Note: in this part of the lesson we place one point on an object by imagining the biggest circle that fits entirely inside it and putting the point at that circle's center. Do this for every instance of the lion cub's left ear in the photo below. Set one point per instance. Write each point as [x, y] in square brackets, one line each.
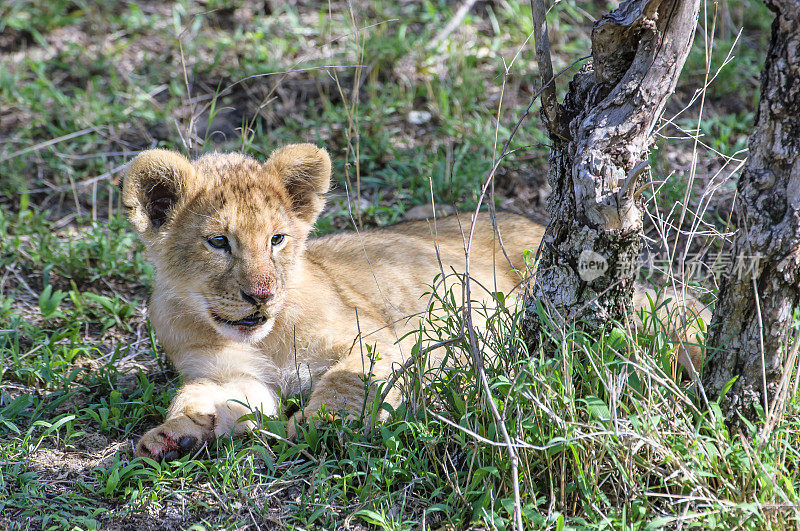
[305, 171]
[155, 184]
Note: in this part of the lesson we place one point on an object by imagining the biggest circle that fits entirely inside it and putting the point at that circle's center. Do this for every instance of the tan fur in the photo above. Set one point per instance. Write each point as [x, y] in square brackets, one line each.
[684, 322]
[311, 290]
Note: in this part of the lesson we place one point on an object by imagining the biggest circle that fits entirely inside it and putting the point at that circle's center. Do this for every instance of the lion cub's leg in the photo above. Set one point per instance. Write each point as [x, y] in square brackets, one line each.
[347, 385]
[204, 410]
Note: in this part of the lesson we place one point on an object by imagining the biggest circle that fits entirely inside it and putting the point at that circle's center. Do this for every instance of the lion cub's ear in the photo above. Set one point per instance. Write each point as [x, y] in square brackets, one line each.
[154, 184]
[305, 171]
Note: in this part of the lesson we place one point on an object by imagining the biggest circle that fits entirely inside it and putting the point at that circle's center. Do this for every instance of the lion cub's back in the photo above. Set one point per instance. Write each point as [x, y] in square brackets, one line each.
[401, 260]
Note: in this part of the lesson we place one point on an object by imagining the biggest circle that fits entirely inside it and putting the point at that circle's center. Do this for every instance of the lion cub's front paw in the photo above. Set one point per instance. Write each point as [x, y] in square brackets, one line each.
[176, 437]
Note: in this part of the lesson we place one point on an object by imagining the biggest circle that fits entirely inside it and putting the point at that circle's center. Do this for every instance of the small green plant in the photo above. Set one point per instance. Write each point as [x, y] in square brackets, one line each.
[49, 301]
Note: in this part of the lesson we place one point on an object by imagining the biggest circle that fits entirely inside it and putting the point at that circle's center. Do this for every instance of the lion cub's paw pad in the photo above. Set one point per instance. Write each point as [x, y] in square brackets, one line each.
[166, 447]
[172, 440]
[184, 446]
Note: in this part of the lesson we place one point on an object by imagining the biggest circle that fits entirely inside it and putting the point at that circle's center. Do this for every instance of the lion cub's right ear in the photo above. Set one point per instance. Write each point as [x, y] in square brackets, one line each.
[153, 186]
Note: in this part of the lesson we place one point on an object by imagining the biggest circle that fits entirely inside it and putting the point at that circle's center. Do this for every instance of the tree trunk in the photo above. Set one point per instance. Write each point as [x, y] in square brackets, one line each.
[753, 315]
[601, 137]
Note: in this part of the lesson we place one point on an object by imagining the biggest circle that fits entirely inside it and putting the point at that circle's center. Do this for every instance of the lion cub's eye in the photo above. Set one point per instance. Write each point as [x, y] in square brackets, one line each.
[219, 242]
[277, 240]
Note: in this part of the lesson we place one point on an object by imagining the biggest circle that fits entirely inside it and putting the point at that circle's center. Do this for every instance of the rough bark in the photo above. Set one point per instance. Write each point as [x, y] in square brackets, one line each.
[753, 315]
[599, 150]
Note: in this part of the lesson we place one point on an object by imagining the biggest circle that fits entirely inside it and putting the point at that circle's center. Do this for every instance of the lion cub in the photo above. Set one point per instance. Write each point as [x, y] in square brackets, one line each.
[249, 310]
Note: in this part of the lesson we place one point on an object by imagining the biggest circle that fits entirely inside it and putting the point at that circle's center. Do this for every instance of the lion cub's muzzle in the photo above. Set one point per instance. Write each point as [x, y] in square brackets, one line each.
[259, 299]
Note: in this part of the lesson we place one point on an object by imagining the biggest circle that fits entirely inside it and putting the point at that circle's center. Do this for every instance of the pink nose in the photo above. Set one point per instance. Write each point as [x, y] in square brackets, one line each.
[259, 294]
[256, 298]
[263, 289]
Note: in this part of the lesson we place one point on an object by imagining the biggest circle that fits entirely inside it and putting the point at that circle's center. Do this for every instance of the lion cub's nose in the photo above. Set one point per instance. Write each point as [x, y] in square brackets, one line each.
[256, 298]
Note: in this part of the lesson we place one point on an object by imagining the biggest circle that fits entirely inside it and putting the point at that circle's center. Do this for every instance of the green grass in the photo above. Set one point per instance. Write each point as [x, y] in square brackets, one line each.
[603, 441]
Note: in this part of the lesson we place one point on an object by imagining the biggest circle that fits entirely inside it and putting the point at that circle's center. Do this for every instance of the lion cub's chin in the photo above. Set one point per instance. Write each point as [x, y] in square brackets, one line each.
[244, 334]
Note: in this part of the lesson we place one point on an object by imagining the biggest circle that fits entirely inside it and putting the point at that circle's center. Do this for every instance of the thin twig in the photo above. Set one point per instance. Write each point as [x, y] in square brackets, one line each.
[545, 62]
[761, 343]
[452, 25]
[43, 145]
[87, 182]
[481, 438]
[476, 357]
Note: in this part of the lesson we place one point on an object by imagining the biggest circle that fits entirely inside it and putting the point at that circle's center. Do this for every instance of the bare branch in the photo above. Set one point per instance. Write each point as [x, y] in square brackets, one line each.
[545, 62]
[452, 25]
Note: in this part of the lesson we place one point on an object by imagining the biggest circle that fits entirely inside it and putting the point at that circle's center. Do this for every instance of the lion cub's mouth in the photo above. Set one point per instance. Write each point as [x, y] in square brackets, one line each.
[256, 319]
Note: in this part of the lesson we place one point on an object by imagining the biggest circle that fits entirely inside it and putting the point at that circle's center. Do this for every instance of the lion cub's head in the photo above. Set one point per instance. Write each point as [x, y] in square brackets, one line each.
[225, 232]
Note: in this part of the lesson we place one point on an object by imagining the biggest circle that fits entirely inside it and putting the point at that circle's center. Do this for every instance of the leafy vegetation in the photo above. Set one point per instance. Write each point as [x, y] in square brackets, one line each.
[607, 434]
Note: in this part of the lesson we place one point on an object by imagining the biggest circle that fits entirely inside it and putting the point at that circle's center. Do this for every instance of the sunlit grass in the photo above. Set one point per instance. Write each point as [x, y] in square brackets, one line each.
[606, 436]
